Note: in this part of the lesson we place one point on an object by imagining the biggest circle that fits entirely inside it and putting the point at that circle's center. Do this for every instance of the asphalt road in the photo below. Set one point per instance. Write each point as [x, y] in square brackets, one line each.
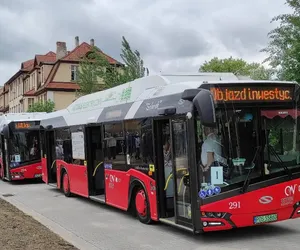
[103, 227]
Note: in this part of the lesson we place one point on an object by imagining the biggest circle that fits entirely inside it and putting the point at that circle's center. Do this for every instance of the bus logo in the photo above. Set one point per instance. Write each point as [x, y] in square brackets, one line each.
[266, 199]
[290, 190]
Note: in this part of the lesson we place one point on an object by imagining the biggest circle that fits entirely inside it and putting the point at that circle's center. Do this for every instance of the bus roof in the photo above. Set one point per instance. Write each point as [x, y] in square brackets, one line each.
[140, 98]
[17, 117]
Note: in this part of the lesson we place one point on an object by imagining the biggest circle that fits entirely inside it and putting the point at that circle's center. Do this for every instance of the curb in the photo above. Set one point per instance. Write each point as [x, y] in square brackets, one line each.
[65, 234]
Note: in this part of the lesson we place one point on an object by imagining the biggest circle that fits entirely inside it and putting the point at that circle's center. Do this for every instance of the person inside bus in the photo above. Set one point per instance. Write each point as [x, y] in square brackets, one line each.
[59, 150]
[112, 144]
[211, 152]
[137, 146]
[34, 148]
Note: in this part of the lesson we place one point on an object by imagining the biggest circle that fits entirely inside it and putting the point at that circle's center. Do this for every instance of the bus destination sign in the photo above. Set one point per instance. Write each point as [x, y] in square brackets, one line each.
[23, 125]
[252, 94]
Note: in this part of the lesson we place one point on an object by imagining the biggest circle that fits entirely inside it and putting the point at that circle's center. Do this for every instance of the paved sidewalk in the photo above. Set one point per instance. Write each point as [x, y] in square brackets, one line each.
[89, 225]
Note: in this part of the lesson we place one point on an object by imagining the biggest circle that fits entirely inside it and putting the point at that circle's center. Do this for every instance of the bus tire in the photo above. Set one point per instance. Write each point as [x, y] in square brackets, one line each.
[66, 185]
[142, 207]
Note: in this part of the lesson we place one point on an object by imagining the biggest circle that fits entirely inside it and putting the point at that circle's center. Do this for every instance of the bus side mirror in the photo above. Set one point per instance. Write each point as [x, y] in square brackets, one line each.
[204, 104]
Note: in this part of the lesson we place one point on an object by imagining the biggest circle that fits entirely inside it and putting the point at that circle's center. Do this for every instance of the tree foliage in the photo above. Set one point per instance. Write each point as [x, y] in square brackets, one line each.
[134, 64]
[47, 106]
[91, 69]
[238, 66]
[96, 73]
[284, 44]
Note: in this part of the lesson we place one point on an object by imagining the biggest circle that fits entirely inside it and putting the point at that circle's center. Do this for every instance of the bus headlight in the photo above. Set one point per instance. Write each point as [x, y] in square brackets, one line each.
[213, 214]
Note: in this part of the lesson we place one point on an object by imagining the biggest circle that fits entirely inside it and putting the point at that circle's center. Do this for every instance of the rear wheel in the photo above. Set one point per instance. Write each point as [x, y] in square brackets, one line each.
[66, 185]
[142, 206]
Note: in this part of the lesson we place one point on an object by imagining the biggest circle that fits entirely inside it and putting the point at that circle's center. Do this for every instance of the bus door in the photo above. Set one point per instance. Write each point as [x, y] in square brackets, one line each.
[7, 162]
[50, 174]
[4, 166]
[95, 163]
[173, 172]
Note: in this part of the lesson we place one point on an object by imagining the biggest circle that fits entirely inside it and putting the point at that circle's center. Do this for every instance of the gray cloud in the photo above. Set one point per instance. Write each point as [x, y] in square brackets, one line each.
[171, 34]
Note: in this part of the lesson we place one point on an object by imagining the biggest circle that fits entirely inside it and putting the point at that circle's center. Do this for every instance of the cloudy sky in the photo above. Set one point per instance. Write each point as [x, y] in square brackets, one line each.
[171, 35]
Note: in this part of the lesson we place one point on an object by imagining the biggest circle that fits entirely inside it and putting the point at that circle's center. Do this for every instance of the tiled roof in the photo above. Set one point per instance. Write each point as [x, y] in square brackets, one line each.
[81, 50]
[28, 65]
[30, 93]
[72, 56]
[50, 57]
[63, 85]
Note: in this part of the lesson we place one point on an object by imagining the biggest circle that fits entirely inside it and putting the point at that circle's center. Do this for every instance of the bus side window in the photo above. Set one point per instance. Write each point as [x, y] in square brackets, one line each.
[63, 145]
[114, 146]
[199, 143]
[138, 138]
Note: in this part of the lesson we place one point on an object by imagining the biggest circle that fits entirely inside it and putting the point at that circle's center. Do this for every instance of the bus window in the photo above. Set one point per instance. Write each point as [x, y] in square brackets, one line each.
[63, 145]
[138, 138]
[180, 155]
[25, 146]
[114, 146]
[282, 143]
[227, 151]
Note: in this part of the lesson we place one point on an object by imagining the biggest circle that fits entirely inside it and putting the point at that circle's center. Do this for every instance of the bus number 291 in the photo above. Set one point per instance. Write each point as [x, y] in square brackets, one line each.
[234, 205]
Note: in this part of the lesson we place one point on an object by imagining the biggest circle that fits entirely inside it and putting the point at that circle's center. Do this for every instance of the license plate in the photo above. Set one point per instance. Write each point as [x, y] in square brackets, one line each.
[38, 175]
[265, 218]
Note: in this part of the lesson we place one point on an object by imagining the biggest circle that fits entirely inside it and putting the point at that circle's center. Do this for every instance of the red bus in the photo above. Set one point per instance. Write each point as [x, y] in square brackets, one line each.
[20, 153]
[202, 156]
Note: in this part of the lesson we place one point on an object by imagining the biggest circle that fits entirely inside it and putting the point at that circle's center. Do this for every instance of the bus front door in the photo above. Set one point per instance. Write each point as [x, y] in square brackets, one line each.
[4, 168]
[50, 175]
[173, 172]
[95, 163]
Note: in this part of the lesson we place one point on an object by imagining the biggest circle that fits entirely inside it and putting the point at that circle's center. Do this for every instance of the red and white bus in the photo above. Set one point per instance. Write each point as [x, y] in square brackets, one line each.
[200, 155]
[20, 153]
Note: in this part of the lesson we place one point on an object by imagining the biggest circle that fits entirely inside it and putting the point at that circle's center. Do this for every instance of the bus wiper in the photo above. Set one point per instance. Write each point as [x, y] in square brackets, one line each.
[250, 168]
[281, 163]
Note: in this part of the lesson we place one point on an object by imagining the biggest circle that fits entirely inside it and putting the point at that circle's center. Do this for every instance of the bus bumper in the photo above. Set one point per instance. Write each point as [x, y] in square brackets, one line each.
[230, 221]
[30, 171]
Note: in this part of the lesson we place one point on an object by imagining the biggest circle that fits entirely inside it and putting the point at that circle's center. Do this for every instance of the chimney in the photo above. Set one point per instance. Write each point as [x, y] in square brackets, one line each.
[76, 41]
[92, 42]
[61, 50]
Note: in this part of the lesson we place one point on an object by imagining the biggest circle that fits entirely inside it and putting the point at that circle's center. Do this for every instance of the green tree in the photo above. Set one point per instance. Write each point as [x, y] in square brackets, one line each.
[91, 69]
[284, 44]
[134, 64]
[47, 106]
[255, 71]
[96, 73]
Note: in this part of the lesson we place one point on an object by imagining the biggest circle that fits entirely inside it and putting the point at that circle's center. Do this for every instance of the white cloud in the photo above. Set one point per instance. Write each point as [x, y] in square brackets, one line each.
[172, 35]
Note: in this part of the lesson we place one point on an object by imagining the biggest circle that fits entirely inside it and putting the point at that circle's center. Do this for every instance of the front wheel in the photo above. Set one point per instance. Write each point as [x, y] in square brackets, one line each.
[142, 206]
[66, 185]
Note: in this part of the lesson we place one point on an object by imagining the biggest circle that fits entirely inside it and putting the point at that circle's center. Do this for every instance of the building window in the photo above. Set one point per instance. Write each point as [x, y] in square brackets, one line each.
[20, 87]
[30, 102]
[42, 74]
[74, 69]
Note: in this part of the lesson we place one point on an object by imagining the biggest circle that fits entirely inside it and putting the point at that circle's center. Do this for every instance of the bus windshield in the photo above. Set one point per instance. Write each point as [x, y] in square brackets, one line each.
[248, 143]
[282, 139]
[25, 147]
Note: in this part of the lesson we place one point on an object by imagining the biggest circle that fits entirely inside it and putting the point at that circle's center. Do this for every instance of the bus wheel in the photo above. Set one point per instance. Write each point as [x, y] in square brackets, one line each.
[66, 185]
[142, 206]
